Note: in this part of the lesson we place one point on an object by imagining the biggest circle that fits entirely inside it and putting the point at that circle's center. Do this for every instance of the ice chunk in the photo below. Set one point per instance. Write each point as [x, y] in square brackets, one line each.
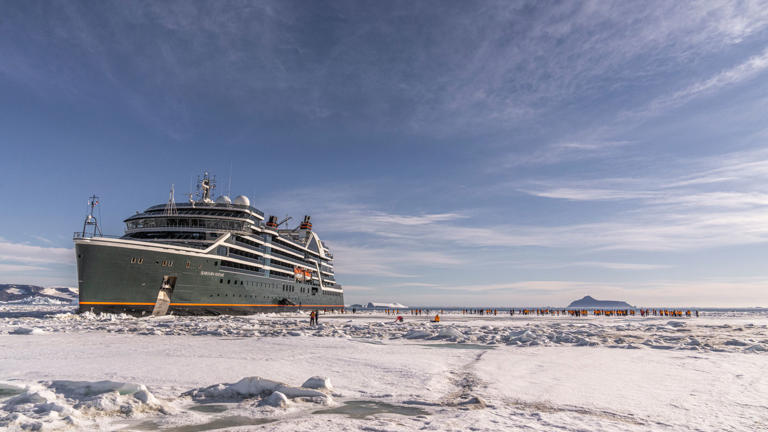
[276, 399]
[318, 383]
[417, 334]
[252, 387]
[26, 331]
[449, 333]
[73, 404]
[79, 389]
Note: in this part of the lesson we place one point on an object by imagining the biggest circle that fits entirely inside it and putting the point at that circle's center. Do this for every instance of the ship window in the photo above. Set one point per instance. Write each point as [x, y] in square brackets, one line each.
[141, 260]
[221, 280]
[228, 281]
[188, 264]
[133, 260]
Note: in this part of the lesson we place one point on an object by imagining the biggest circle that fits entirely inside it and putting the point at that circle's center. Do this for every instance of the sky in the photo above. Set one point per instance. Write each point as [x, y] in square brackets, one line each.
[450, 153]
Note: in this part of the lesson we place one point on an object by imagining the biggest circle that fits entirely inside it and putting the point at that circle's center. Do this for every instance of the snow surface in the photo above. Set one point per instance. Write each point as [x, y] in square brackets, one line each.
[112, 372]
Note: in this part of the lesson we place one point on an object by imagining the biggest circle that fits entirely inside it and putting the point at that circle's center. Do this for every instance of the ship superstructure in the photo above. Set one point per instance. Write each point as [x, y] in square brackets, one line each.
[205, 256]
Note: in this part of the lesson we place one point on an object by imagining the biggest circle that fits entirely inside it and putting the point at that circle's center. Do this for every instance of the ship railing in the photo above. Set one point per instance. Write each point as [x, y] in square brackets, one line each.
[278, 265]
[250, 247]
[293, 261]
[245, 258]
[80, 235]
[281, 277]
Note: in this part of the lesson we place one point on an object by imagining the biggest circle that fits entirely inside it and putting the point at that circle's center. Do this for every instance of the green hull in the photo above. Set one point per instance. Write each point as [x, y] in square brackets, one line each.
[116, 276]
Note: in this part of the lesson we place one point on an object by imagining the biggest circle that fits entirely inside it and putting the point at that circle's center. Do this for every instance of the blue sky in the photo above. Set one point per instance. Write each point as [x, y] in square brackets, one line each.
[465, 153]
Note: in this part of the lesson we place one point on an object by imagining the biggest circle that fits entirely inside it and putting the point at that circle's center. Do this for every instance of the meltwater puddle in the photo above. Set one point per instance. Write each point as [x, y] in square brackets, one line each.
[219, 423]
[363, 409]
[210, 408]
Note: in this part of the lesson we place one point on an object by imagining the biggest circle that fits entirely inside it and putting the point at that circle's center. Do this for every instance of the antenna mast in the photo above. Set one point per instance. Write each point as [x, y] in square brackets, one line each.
[170, 208]
[90, 220]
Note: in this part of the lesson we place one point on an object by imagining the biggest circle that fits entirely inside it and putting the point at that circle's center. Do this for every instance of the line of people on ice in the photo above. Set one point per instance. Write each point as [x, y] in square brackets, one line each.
[479, 311]
[607, 312]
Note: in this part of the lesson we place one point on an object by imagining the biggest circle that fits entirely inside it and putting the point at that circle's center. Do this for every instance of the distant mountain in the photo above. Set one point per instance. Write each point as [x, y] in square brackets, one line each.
[23, 293]
[590, 302]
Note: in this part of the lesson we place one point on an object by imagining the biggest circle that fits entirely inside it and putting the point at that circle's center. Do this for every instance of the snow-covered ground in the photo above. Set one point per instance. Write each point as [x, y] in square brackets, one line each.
[62, 370]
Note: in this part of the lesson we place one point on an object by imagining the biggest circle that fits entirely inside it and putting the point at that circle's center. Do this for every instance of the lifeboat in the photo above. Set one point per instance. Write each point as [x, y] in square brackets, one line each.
[298, 274]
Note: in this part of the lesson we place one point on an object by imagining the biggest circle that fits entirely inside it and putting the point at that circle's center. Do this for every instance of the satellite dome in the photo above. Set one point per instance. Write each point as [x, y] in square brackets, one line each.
[242, 200]
[223, 199]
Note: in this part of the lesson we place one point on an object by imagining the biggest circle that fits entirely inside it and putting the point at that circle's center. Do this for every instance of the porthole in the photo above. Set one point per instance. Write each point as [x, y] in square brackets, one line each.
[133, 260]
[188, 264]
[141, 260]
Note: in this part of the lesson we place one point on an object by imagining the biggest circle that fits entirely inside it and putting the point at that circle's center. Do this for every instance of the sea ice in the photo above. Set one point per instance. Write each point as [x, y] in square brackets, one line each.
[533, 373]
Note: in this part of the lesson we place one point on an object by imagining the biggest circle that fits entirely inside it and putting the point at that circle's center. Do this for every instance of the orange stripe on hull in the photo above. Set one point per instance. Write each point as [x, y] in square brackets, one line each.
[118, 303]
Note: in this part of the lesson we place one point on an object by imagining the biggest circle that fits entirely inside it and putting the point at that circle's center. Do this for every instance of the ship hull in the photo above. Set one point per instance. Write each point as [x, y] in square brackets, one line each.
[125, 277]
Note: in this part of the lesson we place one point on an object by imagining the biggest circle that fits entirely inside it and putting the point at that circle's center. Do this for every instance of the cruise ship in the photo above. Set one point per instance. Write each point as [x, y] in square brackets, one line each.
[204, 257]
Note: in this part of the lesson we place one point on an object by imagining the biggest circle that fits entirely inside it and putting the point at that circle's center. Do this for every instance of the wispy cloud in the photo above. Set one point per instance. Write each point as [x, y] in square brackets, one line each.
[44, 265]
[569, 151]
[28, 254]
[608, 265]
[749, 69]
[474, 66]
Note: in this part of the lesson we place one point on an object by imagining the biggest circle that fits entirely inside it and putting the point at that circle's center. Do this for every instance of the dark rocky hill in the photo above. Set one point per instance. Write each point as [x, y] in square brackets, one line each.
[590, 302]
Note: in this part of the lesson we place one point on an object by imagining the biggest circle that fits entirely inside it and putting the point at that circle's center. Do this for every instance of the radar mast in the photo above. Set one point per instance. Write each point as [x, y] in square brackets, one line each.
[205, 187]
[90, 220]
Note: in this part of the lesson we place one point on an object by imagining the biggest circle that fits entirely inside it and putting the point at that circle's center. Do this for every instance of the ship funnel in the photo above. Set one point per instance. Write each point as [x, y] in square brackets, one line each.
[306, 224]
[272, 222]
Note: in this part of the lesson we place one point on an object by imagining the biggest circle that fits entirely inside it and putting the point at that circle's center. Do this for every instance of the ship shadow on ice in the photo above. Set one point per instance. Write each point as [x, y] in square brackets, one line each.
[363, 409]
